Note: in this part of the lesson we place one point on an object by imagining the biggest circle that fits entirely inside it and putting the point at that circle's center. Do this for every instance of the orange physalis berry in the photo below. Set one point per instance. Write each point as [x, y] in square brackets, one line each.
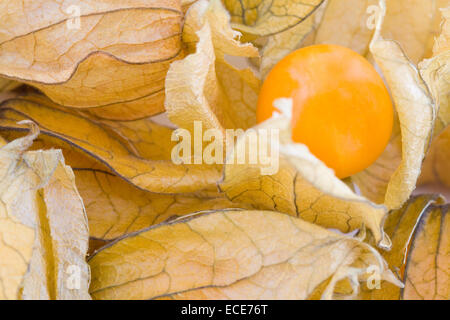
[341, 108]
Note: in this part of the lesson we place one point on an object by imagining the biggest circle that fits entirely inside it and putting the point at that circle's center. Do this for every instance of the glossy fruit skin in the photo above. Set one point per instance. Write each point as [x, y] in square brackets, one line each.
[341, 107]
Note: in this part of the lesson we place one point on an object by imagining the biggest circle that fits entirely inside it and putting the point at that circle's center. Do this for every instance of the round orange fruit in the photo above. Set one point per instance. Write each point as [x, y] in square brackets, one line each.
[341, 107]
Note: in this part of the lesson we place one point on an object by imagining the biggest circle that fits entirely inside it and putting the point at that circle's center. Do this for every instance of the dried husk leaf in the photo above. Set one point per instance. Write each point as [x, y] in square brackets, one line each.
[442, 42]
[116, 208]
[92, 65]
[281, 44]
[8, 85]
[224, 254]
[17, 238]
[413, 24]
[428, 260]
[204, 86]
[373, 181]
[303, 186]
[416, 112]
[224, 38]
[146, 138]
[186, 4]
[104, 146]
[419, 252]
[43, 225]
[345, 23]
[3, 141]
[265, 17]
[436, 168]
[436, 70]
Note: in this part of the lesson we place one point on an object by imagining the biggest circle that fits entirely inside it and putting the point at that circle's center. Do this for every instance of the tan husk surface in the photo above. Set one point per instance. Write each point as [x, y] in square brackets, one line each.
[87, 63]
[95, 175]
[43, 225]
[189, 259]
